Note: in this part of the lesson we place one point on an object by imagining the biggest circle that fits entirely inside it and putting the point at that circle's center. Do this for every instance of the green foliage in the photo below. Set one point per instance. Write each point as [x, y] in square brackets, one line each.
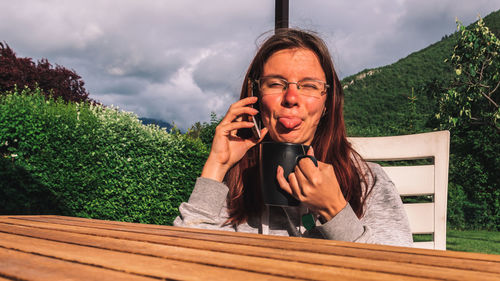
[469, 109]
[378, 102]
[456, 204]
[473, 97]
[21, 193]
[206, 131]
[92, 161]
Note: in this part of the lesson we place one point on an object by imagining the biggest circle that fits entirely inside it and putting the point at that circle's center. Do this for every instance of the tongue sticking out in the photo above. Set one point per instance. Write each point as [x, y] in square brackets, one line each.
[290, 122]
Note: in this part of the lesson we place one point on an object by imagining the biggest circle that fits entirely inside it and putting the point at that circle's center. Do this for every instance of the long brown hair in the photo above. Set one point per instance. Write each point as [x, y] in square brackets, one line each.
[330, 140]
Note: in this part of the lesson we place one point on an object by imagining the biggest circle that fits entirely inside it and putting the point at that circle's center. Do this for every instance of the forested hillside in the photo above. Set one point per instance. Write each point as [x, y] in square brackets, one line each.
[450, 85]
[378, 101]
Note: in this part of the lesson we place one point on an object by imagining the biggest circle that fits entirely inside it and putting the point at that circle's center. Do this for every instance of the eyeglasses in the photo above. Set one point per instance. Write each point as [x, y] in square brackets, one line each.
[306, 87]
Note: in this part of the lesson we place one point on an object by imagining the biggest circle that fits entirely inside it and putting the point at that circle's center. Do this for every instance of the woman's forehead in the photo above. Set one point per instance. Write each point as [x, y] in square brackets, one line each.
[296, 61]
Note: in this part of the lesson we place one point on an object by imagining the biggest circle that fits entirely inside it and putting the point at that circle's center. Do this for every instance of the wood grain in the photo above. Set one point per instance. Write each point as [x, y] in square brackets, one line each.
[125, 262]
[458, 260]
[26, 266]
[238, 259]
[152, 251]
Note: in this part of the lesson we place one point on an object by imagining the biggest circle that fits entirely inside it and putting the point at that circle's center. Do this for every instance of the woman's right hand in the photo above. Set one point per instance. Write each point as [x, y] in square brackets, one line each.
[227, 147]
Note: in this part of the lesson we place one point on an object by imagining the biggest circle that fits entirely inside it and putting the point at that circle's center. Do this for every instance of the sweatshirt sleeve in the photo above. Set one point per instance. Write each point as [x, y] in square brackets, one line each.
[384, 220]
[206, 207]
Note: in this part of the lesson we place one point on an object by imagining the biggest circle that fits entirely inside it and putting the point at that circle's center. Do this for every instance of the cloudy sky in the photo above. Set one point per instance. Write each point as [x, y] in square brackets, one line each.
[180, 60]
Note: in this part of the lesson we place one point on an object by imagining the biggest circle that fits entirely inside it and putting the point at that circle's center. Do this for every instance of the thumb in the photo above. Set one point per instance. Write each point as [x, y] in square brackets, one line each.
[310, 152]
[253, 141]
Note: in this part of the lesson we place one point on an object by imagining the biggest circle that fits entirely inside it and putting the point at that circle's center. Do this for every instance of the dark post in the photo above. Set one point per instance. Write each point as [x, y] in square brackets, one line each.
[281, 15]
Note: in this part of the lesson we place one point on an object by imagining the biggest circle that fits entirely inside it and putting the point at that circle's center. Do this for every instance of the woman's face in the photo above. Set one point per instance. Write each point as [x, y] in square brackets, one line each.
[291, 117]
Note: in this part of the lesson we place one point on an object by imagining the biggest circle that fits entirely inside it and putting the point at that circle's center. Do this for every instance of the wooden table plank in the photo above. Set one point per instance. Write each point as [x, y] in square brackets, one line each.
[137, 226]
[24, 266]
[136, 264]
[263, 265]
[328, 248]
[250, 262]
[155, 251]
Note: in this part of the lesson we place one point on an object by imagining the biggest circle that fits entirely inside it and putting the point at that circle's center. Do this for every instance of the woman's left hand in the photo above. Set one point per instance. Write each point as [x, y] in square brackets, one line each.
[316, 187]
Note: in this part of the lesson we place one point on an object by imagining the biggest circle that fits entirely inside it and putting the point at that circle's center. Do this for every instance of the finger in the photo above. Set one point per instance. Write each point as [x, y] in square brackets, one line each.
[280, 176]
[235, 113]
[243, 103]
[263, 133]
[302, 179]
[310, 152]
[247, 101]
[307, 167]
[228, 129]
[294, 185]
[253, 141]
[234, 132]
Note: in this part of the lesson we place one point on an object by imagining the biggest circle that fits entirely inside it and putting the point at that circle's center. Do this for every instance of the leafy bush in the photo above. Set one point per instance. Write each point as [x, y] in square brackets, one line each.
[92, 161]
[474, 163]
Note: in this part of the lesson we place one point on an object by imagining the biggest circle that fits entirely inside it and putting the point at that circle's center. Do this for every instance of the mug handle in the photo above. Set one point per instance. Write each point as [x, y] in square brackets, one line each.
[300, 157]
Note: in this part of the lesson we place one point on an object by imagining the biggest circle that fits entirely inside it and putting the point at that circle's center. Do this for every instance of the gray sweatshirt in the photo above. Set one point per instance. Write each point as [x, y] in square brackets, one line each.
[384, 220]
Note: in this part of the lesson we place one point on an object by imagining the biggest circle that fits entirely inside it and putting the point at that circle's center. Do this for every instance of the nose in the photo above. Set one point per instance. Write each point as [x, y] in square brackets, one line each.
[291, 96]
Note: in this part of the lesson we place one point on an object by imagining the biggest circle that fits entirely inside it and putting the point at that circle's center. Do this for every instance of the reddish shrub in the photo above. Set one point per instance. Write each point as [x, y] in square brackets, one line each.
[55, 81]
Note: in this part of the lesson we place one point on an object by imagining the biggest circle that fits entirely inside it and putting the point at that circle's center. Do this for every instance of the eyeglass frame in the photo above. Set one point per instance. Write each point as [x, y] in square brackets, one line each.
[287, 83]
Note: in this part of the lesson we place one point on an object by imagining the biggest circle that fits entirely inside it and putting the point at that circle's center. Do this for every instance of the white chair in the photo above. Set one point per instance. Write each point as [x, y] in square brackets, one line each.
[425, 218]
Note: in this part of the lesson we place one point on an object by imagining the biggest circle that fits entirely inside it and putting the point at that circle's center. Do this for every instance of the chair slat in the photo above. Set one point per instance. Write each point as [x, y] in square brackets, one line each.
[421, 217]
[424, 245]
[406, 147]
[412, 180]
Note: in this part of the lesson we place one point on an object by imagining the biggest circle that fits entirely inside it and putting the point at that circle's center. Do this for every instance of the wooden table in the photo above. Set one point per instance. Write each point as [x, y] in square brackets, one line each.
[67, 248]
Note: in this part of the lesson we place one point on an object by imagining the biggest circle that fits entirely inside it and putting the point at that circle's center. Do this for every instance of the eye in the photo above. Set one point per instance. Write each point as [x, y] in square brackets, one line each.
[274, 83]
[311, 85]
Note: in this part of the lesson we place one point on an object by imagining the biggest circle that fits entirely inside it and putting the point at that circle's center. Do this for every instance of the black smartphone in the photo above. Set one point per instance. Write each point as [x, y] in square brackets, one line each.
[247, 133]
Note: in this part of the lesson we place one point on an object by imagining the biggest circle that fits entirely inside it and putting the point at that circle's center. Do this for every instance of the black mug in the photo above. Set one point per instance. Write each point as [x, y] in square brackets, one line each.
[287, 155]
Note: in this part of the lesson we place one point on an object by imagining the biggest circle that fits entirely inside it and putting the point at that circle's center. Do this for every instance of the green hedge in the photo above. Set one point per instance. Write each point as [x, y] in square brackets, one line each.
[84, 160]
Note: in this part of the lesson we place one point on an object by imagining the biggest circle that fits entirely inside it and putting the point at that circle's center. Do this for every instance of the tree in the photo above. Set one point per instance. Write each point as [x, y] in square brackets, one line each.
[473, 97]
[469, 109]
[54, 81]
[206, 131]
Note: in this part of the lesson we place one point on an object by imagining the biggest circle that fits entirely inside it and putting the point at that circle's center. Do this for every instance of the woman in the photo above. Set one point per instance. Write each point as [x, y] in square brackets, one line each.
[300, 100]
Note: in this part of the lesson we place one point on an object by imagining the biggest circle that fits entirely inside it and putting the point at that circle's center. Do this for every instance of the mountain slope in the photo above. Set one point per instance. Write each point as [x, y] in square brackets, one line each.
[377, 100]
[162, 124]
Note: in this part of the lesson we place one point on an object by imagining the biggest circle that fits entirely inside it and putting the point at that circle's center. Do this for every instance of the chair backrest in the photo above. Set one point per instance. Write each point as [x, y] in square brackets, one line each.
[417, 180]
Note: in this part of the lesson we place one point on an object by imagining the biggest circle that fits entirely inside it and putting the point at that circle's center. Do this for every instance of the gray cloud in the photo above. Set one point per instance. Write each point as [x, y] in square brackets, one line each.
[180, 60]
[367, 34]
[224, 67]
